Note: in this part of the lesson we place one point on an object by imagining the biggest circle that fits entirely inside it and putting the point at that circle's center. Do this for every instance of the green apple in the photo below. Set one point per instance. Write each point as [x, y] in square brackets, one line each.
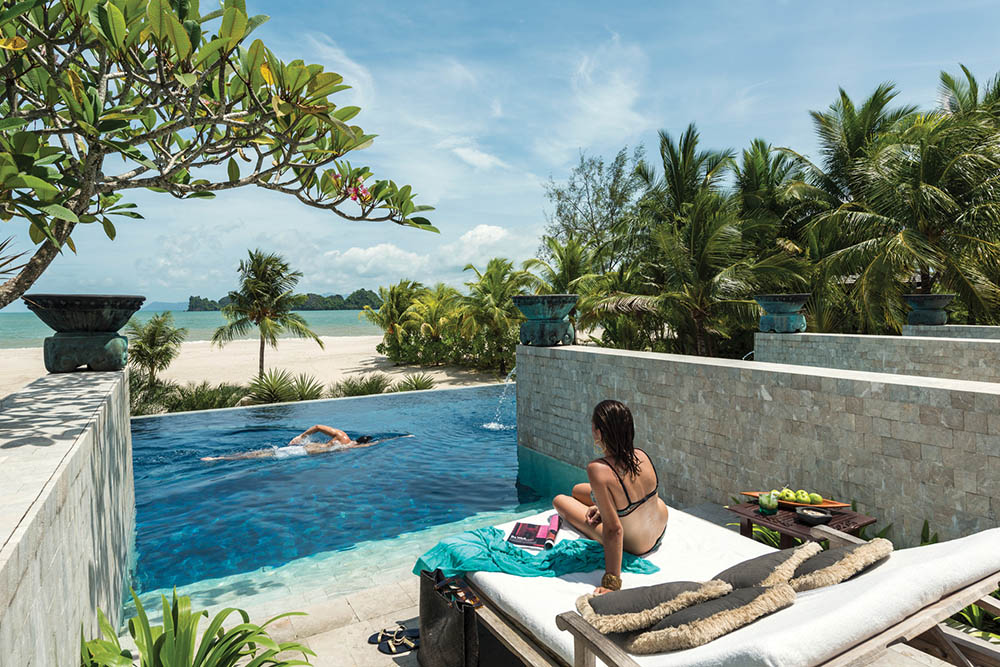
[815, 499]
[802, 497]
[787, 494]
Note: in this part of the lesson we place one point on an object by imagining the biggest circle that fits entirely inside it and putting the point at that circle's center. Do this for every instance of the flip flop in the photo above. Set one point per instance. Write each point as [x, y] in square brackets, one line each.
[399, 645]
[393, 633]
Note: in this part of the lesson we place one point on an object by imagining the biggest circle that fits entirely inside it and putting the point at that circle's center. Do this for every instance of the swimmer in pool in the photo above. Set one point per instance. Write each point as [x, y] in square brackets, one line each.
[298, 446]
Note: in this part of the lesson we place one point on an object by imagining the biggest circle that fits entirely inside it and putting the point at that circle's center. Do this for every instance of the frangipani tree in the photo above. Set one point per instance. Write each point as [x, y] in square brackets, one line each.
[99, 97]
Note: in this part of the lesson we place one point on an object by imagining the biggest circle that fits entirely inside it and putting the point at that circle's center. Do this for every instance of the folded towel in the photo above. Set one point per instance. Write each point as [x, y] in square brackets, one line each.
[487, 550]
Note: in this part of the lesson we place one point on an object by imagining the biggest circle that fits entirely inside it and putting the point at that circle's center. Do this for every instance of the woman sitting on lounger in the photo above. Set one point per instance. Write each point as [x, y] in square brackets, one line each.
[299, 446]
[619, 507]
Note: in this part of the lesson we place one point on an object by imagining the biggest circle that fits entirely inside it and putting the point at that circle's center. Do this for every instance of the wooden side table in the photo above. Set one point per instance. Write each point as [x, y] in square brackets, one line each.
[786, 524]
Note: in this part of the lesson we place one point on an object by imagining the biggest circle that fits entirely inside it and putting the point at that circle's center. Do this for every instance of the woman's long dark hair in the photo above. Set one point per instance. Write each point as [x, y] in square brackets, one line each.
[614, 420]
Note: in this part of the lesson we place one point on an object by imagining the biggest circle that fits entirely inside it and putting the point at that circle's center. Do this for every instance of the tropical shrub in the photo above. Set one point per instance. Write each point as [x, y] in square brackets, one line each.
[205, 396]
[149, 398]
[273, 386]
[154, 344]
[361, 385]
[415, 382]
[189, 97]
[175, 642]
[306, 388]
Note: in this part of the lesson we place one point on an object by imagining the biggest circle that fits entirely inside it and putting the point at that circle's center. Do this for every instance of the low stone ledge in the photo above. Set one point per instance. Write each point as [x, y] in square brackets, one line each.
[67, 513]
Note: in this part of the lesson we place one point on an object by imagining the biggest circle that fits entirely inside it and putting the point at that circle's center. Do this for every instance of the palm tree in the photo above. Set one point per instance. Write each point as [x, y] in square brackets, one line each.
[926, 208]
[569, 262]
[687, 172]
[965, 97]
[433, 313]
[390, 316]
[489, 308]
[152, 346]
[702, 274]
[264, 300]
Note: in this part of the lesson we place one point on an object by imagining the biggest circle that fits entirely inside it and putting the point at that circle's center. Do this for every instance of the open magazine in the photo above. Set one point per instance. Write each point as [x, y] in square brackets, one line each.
[536, 536]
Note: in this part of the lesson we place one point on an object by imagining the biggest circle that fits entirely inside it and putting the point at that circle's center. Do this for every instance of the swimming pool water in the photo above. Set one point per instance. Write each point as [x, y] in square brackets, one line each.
[197, 521]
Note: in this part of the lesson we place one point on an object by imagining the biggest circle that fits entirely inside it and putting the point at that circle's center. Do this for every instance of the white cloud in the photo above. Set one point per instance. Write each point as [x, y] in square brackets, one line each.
[477, 158]
[377, 260]
[496, 108]
[601, 108]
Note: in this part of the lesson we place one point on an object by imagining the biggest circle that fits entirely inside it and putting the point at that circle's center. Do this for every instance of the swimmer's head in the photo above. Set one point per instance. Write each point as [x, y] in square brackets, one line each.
[364, 439]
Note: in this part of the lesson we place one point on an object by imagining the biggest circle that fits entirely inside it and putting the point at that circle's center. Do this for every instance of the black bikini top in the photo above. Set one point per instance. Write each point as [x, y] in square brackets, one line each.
[633, 505]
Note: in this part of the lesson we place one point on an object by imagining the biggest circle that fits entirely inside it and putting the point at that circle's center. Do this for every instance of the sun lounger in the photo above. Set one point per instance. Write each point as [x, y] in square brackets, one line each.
[851, 623]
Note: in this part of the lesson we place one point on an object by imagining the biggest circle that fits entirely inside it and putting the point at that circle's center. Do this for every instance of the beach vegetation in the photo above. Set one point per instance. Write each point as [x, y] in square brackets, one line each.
[205, 396]
[414, 382]
[178, 643]
[100, 98]
[488, 315]
[154, 344]
[305, 387]
[272, 386]
[265, 300]
[360, 385]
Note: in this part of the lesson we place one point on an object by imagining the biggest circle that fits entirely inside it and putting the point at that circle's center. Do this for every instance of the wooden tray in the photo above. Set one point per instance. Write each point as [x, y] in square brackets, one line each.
[826, 504]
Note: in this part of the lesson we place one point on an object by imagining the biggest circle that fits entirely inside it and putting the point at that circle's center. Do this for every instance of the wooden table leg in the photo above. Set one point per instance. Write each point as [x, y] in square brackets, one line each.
[746, 528]
[786, 541]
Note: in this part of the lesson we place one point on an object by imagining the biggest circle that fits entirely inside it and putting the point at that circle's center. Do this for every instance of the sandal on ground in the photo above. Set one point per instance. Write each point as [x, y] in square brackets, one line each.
[401, 644]
[393, 633]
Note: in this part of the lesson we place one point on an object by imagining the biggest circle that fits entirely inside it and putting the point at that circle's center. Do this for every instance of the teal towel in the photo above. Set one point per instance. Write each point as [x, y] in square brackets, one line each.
[487, 550]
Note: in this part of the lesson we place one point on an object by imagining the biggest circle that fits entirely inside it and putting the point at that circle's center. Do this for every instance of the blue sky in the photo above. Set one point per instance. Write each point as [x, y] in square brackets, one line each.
[477, 105]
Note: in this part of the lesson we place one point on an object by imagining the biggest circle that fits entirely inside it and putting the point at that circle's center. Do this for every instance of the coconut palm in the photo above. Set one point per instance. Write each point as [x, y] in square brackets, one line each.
[926, 208]
[154, 344]
[568, 262]
[265, 300]
[390, 316]
[489, 308]
[963, 96]
[702, 274]
[433, 313]
[687, 172]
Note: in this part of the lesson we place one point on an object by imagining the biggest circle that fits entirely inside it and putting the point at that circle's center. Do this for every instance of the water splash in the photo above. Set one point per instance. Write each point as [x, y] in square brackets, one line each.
[497, 423]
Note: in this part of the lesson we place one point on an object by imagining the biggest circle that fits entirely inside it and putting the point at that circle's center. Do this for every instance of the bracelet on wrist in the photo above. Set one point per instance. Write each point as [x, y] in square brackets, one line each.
[612, 582]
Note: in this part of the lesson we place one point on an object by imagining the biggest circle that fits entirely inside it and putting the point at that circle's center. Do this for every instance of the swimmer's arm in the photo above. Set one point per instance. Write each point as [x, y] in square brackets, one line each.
[256, 454]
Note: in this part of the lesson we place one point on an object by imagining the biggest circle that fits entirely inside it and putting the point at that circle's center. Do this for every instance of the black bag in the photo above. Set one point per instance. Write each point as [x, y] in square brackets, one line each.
[448, 630]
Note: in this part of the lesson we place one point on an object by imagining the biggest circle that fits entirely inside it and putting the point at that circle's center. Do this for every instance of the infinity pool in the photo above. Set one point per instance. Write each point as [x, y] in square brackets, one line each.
[225, 520]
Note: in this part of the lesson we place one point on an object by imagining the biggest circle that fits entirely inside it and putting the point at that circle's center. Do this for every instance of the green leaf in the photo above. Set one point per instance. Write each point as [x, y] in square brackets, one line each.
[346, 113]
[201, 195]
[234, 170]
[61, 212]
[12, 123]
[35, 234]
[187, 80]
[156, 14]
[42, 188]
[109, 228]
[209, 49]
[177, 35]
[17, 10]
[113, 22]
[234, 26]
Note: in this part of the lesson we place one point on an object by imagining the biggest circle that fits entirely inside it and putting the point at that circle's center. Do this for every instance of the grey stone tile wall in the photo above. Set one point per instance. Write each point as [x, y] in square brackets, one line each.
[958, 358]
[952, 331]
[906, 448]
[67, 514]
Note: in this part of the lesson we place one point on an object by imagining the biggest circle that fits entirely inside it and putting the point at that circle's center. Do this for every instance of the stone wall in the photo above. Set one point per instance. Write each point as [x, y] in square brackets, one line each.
[961, 359]
[906, 448]
[952, 331]
[67, 514]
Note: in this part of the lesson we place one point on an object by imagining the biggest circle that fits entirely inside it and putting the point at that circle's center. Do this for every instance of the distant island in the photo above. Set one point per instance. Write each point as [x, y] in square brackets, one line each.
[357, 300]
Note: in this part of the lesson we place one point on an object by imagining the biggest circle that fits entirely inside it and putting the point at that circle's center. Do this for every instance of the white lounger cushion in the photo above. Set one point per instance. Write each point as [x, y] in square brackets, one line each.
[821, 624]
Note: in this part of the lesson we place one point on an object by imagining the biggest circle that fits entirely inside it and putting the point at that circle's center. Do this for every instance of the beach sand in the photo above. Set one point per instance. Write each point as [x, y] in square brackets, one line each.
[237, 363]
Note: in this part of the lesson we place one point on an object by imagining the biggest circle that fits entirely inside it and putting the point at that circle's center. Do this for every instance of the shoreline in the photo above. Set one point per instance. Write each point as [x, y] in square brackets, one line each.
[236, 363]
